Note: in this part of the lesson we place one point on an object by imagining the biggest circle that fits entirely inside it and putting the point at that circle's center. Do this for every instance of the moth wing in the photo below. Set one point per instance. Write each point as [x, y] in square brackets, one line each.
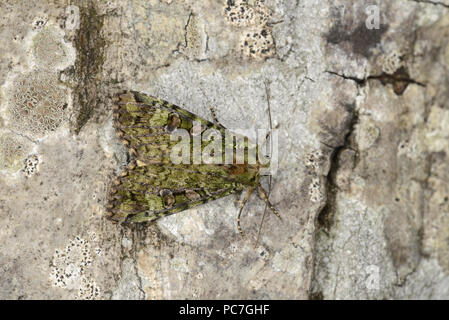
[150, 192]
[144, 124]
[154, 187]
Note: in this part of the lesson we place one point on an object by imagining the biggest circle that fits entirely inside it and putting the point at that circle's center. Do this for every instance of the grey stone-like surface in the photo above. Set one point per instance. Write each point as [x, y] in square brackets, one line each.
[363, 166]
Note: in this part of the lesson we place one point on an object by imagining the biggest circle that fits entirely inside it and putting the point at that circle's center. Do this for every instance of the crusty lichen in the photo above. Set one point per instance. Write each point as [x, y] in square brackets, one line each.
[252, 17]
[30, 165]
[242, 13]
[258, 43]
[37, 103]
[69, 269]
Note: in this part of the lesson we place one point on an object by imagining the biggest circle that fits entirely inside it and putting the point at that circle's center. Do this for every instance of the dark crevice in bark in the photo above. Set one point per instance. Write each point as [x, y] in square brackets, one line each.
[326, 216]
[356, 80]
[400, 79]
[88, 66]
[435, 3]
[316, 296]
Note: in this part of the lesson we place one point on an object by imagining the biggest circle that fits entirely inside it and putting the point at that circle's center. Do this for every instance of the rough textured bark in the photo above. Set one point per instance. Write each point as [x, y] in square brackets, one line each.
[363, 120]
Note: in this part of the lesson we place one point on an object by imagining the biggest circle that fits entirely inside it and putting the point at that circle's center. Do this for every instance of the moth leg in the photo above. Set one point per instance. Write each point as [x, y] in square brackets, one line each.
[263, 195]
[264, 212]
[242, 204]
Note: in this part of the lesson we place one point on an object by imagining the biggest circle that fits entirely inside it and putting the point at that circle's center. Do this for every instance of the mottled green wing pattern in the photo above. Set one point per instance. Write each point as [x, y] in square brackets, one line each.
[144, 125]
[152, 191]
[152, 186]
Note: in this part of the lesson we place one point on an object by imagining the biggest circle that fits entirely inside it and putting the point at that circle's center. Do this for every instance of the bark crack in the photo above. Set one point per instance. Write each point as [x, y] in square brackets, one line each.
[326, 215]
[400, 79]
[90, 45]
[435, 3]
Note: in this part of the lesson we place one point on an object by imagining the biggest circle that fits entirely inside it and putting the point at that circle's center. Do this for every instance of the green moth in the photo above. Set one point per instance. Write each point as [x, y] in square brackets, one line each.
[156, 183]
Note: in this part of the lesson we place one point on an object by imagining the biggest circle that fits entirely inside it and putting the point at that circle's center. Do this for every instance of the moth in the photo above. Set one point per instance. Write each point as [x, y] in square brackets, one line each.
[153, 186]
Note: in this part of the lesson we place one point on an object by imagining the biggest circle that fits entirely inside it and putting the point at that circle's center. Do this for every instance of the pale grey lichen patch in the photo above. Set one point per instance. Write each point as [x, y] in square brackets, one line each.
[69, 269]
[437, 135]
[37, 103]
[182, 226]
[13, 150]
[288, 260]
[50, 51]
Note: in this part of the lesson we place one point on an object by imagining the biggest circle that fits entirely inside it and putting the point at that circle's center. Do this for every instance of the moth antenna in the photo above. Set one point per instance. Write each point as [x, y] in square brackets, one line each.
[212, 110]
[242, 204]
[260, 189]
[214, 116]
[267, 93]
[270, 120]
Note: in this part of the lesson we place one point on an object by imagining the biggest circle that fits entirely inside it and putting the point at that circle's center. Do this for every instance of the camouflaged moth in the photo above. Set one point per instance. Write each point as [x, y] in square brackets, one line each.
[153, 185]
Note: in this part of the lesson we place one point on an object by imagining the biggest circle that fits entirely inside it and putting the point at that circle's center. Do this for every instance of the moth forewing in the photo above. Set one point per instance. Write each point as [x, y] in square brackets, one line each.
[165, 175]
